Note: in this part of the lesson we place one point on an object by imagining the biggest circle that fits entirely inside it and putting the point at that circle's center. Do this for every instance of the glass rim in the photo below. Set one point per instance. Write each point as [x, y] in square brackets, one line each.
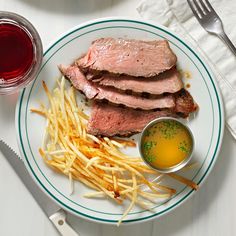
[17, 83]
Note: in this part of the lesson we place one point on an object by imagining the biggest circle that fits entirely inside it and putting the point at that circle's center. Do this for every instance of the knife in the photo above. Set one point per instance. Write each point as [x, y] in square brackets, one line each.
[51, 209]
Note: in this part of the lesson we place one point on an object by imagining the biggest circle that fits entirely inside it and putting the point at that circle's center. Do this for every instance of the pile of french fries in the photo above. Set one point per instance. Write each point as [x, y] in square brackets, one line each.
[96, 162]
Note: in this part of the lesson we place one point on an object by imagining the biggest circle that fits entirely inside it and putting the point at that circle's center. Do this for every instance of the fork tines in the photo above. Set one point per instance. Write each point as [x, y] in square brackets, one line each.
[201, 7]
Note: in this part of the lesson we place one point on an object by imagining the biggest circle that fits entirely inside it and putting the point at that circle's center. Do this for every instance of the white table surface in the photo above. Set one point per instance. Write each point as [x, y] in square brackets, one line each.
[210, 212]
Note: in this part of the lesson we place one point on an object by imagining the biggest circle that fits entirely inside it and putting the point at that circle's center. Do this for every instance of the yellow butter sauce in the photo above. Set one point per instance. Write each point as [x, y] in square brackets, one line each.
[166, 144]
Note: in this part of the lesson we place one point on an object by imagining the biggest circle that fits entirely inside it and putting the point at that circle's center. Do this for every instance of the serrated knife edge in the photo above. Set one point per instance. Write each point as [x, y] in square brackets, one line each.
[51, 209]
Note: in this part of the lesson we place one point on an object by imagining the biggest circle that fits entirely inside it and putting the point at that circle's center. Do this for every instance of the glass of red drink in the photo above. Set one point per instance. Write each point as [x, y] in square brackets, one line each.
[21, 52]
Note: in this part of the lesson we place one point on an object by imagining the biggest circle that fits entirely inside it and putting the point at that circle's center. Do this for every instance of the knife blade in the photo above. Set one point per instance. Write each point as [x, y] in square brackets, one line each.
[50, 208]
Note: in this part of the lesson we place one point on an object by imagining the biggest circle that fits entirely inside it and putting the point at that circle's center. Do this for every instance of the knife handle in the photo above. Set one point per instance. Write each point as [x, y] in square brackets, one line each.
[59, 221]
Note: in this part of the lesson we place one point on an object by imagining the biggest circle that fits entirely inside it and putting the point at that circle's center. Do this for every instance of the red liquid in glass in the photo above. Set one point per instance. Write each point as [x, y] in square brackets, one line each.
[16, 52]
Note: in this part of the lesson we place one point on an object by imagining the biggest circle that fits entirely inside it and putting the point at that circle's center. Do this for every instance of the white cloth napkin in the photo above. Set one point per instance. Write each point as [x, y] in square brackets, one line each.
[177, 15]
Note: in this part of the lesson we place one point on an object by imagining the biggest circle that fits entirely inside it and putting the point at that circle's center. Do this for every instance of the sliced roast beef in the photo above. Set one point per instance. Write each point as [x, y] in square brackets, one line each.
[131, 57]
[79, 81]
[109, 120]
[184, 103]
[95, 91]
[166, 82]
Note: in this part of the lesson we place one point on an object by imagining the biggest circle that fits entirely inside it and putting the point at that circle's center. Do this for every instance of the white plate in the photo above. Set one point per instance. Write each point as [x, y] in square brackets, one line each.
[207, 125]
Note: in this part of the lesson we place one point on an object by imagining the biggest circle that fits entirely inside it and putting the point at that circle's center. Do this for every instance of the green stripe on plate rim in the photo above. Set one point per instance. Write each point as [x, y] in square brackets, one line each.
[218, 139]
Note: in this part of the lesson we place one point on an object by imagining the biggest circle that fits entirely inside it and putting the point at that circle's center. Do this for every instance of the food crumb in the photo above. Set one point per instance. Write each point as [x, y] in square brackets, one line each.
[187, 85]
[187, 74]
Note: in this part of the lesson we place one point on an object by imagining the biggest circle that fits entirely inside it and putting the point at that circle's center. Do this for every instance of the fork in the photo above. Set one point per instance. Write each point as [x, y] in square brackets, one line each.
[210, 21]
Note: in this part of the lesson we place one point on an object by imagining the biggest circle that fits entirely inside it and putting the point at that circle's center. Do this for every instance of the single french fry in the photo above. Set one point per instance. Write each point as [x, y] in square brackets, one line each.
[128, 143]
[40, 112]
[94, 194]
[184, 180]
[134, 196]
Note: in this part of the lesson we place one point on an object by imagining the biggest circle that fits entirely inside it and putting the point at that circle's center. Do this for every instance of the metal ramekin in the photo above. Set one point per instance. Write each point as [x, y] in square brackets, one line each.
[173, 168]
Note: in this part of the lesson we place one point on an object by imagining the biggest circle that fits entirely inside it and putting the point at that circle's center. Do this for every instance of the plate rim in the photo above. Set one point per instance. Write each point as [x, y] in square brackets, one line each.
[217, 94]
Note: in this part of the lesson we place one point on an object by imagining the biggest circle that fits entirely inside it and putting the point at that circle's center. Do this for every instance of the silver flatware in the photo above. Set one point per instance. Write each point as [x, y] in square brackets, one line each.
[210, 21]
[51, 209]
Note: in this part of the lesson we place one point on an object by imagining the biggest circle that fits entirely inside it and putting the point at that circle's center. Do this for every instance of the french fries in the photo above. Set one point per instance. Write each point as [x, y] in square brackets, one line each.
[96, 162]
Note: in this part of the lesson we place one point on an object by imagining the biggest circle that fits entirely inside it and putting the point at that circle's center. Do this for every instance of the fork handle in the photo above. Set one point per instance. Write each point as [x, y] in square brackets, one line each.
[227, 41]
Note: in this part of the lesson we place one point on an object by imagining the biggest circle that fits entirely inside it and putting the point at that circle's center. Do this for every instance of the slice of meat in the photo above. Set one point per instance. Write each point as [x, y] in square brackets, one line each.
[95, 91]
[166, 82]
[127, 56]
[135, 101]
[109, 120]
[79, 81]
[184, 103]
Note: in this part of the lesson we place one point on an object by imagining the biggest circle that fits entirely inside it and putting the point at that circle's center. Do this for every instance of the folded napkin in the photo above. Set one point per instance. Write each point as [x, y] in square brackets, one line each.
[177, 15]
